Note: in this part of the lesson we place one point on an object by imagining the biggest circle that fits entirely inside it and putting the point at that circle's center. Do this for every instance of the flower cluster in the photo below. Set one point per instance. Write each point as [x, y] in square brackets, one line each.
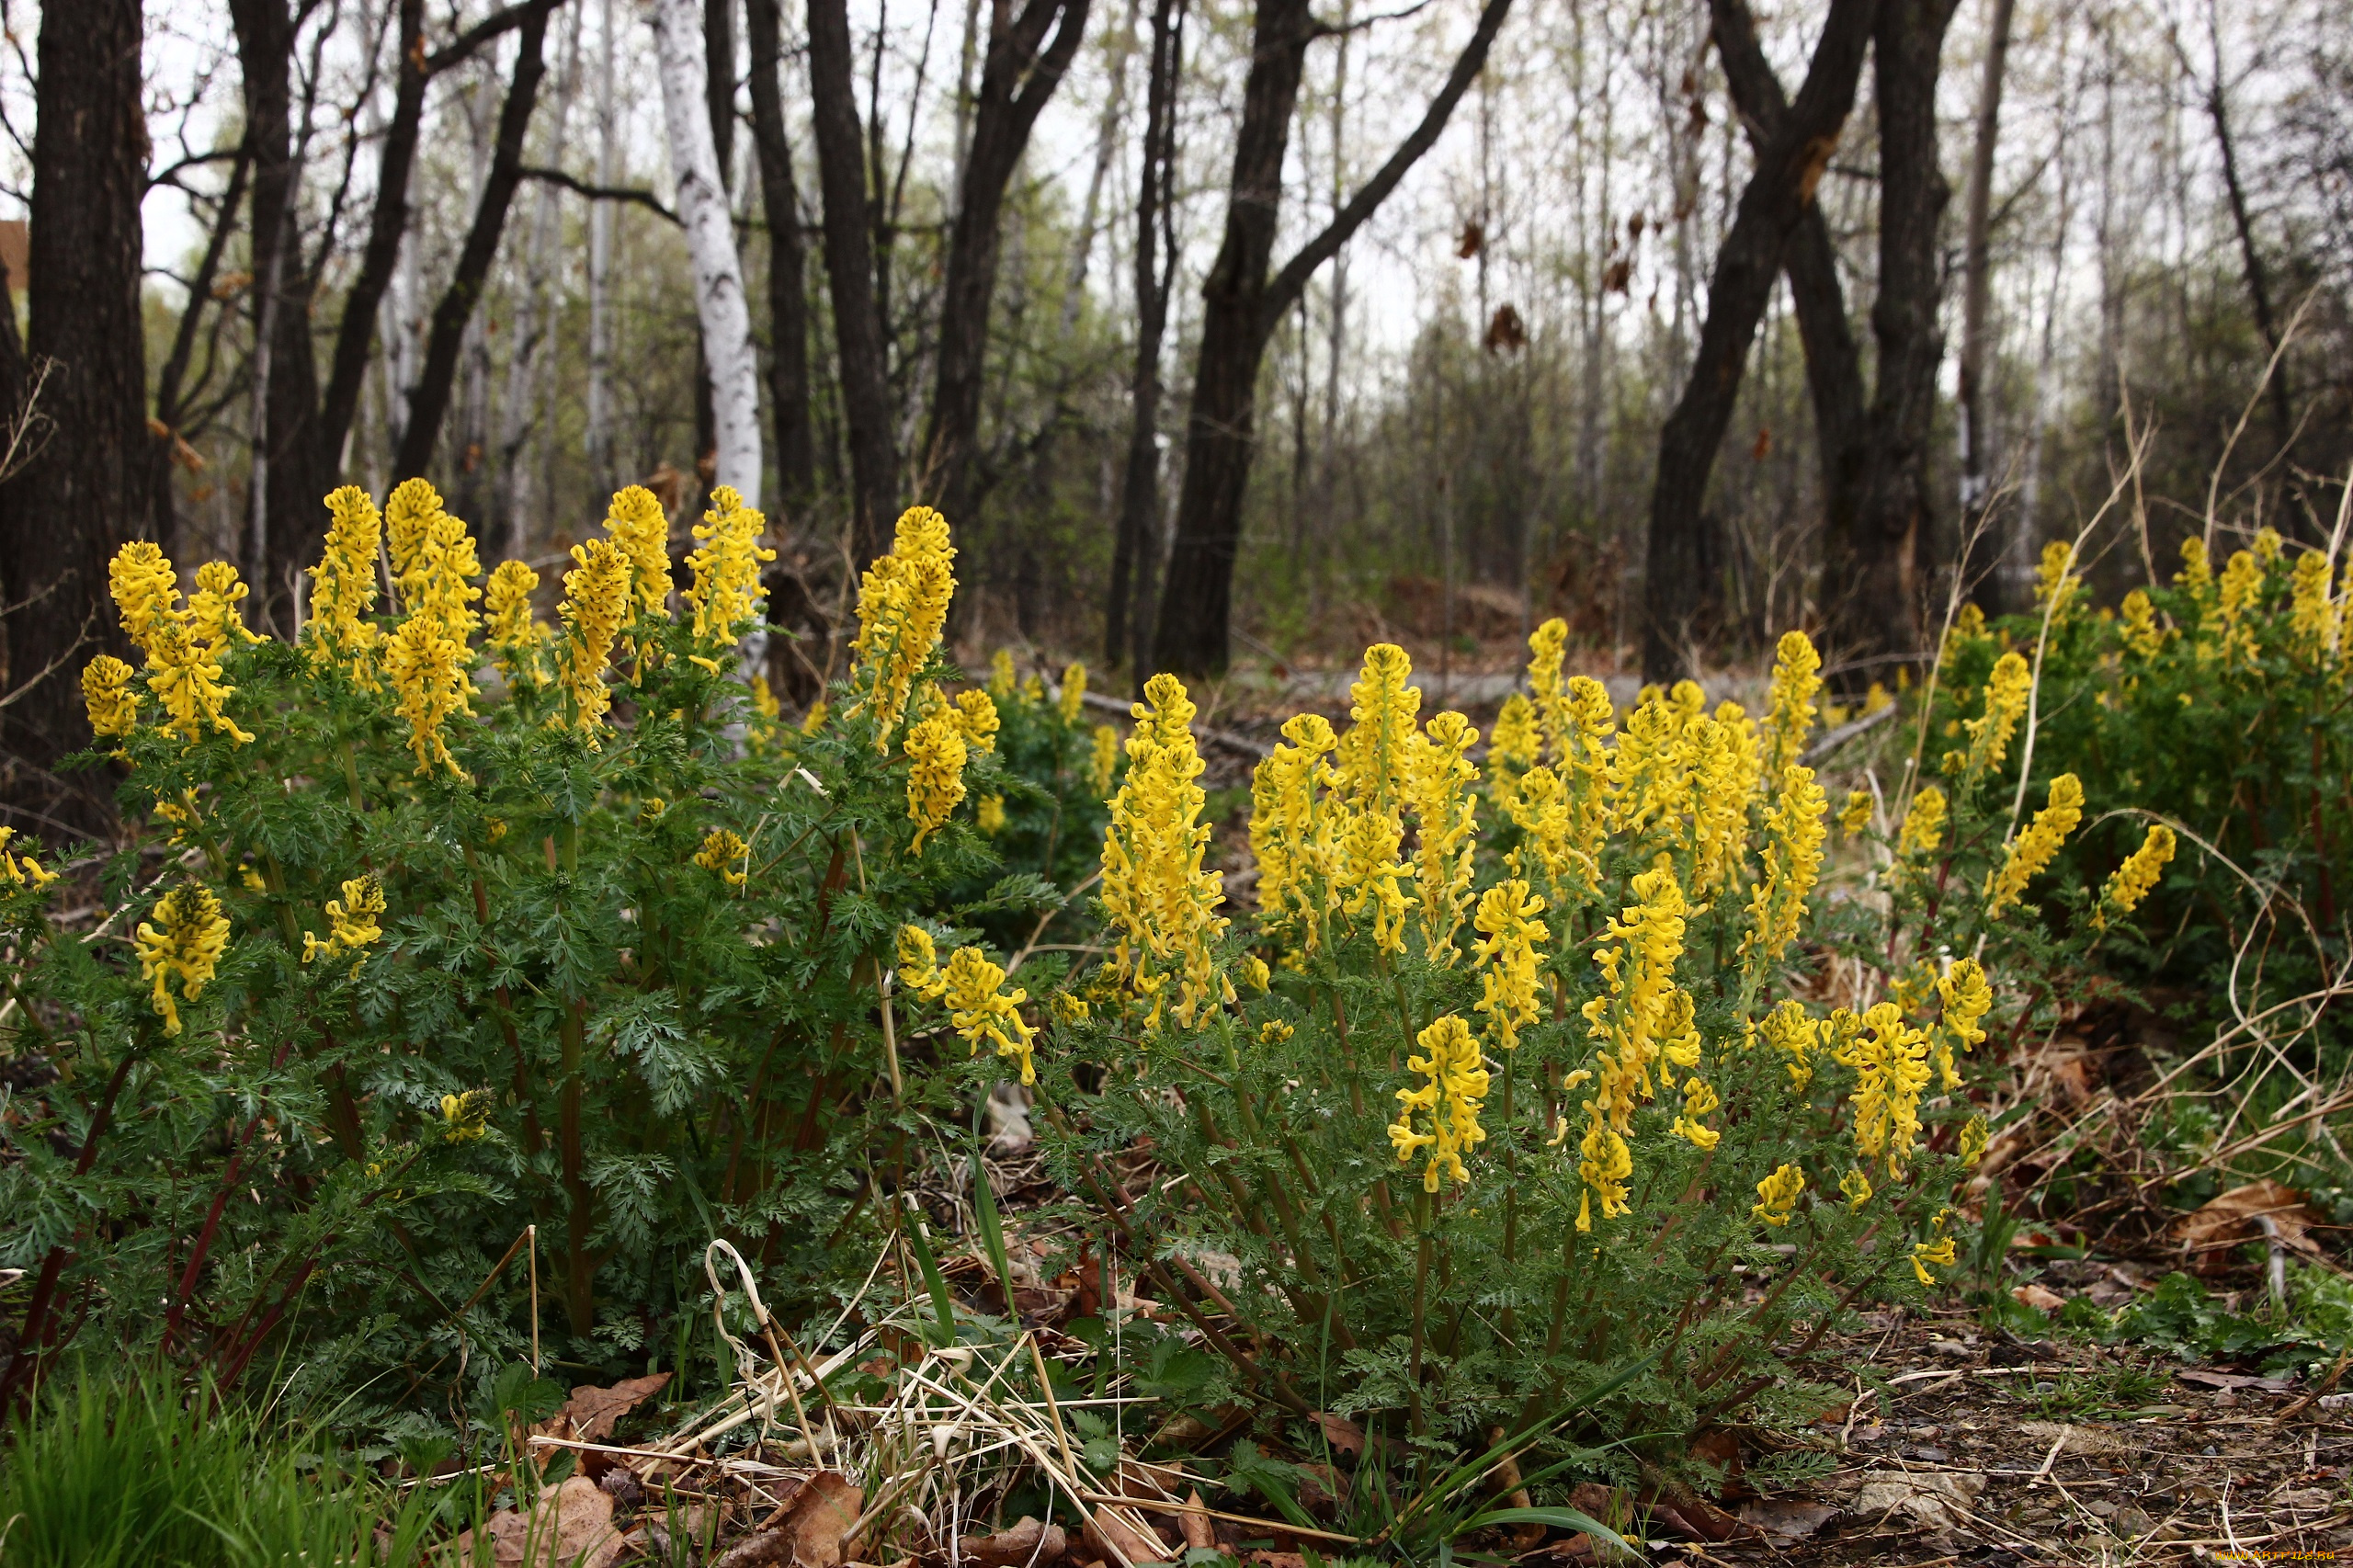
[595, 601]
[937, 751]
[726, 591]
[20, 870]
[724, 852]
[2132, 881]
[2033, 849]
[517, 639]
[1510, 934]
[979, 1007]
[1454, 1083]
[185, 939]
[1161, 902]
[351, 920]
[902, 608]
[339, 633]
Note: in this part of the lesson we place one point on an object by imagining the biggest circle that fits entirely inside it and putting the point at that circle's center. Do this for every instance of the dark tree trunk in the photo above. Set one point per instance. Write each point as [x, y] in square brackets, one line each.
[87, 490]
[1023, 67]
[2259, 279]
[1980, 546]
[796, 461]
[429, 399]
[1779, 193]
[357, 332]
[1127, 625]
[1881, 531]
[170, 402]
[1240, 306]
[849, 270]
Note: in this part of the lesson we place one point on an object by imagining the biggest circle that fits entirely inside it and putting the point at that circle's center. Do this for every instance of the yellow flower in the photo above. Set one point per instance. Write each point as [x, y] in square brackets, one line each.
[2197, 572]
[1794, 829]
[1699, 1100]
[219, 624]
[1638, 1013]
[1295, 825]
[595, 600]
[901, 605]
[990, 815]
[650, 811]
[427, 668]
[1989, 733]
[1439, 787]
[726, 590]
[1512, 748]
[1891, 1062]
[351, 920]
[975, 715]
[517, 639]
[2133, 881]
[2054, 584]
[107, 693]
[2033, 849]
[342, 589]
[725, 853]
[1857, 814]
[434, 563]
[1650, 775]
[1455, 1080]
[1068, 1008]
[1777, 1194]
[19, 868]
[2312, 620]
[145, 590]
[1972, 1141]
[2241, 587]
[1605, 1164]
[981, 1013]
[1546, 646]
[814, 719]
[1857, 1187]
[2142, 633]
[1939, 1252]
[642, 530]
[1072, 701]
[1924, 824]
[409, 512]
[1790, 717]
[918, 960]
[1105, 761]
[1383, 705]
[1793, 1035]
[466, 1117]
[1003, 681]
[186, 938]
[1510, 935]
[1161, 902]
[936, 756]
[1033, 691]
[1967, 999]
[188, 682]
[1274, 1031]
[1875, 699]
[1254, 972]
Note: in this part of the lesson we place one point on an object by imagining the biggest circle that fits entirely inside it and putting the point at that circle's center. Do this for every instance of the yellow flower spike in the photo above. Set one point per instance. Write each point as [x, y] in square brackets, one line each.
[218, 622]
[1794, 829]
[409, 513]
[1789, 715]
[516, 638]
[2033, 849]
[814, 719]
[1891, 1062]
[1161, 902]
[1989, 733]
[2133, 880]
[901, 606]
[918, 960]
[595, 600]
[107, 693]
[2054, 580]
[1274, 1031]
[1720, 763]
[145, 591]
[2141, 631]
[1793, 1037]
[1072, 702]
[1699, 1100]
[1650, 777]
[1629, 1021]
[1254, 972]
[1924, 824]
[1455, 1080]
[1545, 817]
[1939, 1252]
[2242, 588]
[434, 563]
[2197, 574]
[1293, 829]
[935, 755]
[338, 633]
[989, 816]
[1068, 1008]
[1604, 1166]
[2268, 546]
[352, 922]
[185, 939]
[1439, 787]
[1778, 1195]
[466, 1117]
[1517, 744]
[975, 714]
[188, 682]
[1856, 1186]
[1510, 934]
[19, 868]
[1967, 999]
[983, 1015]
[724, 852]
[1857, 814]
[2312, 618]
[1372, 758]
[726, 590]
[1004, 682]
[427, 668]
[1972, 1141]
[642, 530]
[652, 811]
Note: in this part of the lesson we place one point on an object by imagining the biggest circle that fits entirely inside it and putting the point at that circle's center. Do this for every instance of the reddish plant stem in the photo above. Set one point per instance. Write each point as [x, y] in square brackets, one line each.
[14, 1383]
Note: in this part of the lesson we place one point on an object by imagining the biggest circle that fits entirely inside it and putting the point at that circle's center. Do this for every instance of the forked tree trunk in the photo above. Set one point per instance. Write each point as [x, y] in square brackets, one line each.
[1777, 197]
[1240, 307]
[710, 243]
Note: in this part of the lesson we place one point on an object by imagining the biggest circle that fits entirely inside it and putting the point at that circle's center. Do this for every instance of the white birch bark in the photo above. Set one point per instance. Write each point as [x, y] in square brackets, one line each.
[711, 241]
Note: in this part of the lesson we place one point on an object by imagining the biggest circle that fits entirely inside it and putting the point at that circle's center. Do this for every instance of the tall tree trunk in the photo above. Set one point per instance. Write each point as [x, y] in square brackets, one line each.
[1126, 624]
[85, 491]
[1240, 309]
[720, 303]
[171, 380]
[1980, 550]
[603, 474]
[1023, 67]
[1883, 529]
[1775, 198]
[796, 460]
[429, 400]
[849, 271]
[1107, 138]
[532, 333]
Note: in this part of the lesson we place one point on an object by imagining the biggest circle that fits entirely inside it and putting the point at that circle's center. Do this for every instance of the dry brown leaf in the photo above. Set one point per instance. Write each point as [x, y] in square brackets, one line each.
[591, 1414]
[821, 1514]
[573, 1524]
[1787, 1520]
[1934, 1500]
[1194, 1524]
[2039, 1299]
[765, 1548]
[1026, 1541]
[1345, 1436]
[1105, 1530]
[2230, 1220]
